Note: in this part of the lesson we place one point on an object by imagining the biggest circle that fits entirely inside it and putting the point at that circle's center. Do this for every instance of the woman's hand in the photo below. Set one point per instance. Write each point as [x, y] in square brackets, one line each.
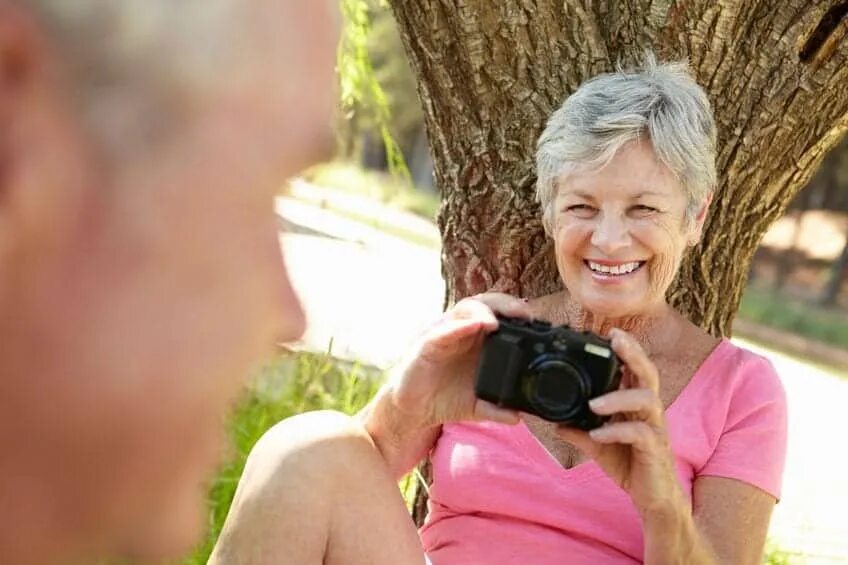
[436, 383]
[633, 448]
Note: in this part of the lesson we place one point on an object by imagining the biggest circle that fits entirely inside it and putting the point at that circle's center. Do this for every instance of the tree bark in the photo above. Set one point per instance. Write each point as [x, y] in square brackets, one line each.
[490, 73]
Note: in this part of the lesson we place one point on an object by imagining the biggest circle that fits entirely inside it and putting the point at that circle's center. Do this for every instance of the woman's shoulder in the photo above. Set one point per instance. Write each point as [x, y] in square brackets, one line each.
[719, 357]
[723, 372]
[731, 421]
[744, 362]
[747, 426]
[740, 377]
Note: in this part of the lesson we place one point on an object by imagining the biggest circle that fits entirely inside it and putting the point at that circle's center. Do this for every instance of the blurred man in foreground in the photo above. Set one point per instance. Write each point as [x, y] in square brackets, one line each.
[141, 143]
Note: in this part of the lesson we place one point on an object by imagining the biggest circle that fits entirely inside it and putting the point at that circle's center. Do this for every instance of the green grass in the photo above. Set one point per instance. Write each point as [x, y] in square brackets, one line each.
[289, 385]
[775, 556]
[765, 307]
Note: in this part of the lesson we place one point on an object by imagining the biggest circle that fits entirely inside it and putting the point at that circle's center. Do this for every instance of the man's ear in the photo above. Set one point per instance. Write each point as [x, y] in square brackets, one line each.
[18, 59]
[699, 219]
[23, 80]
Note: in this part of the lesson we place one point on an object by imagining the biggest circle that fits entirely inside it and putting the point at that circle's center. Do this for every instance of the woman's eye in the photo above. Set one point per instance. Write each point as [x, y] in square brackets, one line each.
[581, 209]
[643, 210]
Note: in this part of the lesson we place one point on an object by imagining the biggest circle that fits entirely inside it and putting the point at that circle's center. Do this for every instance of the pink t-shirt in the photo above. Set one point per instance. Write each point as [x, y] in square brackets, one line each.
[498, 496]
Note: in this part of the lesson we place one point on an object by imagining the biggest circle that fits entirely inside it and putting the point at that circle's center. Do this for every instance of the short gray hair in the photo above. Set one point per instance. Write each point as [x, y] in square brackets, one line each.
[660, 101]
[132, 65]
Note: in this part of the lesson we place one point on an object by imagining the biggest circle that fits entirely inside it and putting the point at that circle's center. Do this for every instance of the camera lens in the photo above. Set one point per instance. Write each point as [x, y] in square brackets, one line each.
[555, 388]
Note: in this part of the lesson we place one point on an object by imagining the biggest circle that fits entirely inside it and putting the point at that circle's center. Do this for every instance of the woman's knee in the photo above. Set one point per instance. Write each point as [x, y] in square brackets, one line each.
[311, 447]
[287, 493]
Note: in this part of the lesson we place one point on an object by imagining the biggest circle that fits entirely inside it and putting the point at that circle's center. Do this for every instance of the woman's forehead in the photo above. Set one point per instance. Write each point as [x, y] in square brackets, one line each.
[634, 172]
[632, 191]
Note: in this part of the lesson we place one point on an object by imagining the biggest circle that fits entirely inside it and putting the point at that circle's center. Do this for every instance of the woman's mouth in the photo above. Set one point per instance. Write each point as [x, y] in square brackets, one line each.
[605, 271]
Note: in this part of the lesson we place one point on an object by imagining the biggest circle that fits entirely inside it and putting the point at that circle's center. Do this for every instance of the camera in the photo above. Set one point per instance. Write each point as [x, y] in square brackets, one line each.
[549, 371]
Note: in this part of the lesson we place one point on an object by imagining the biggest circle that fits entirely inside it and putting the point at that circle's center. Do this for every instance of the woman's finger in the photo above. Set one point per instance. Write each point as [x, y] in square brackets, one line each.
[473, 309]
[503, 304]
[640, 366]
[451, 337]
[640, 435]
[640, 402]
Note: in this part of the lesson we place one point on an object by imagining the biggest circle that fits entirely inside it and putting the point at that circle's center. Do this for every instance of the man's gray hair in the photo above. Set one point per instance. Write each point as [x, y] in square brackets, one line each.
[131, 65]
[661, 102]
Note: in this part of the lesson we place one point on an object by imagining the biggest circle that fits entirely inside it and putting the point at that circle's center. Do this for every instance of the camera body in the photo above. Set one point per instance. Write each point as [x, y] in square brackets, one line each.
[549, 371]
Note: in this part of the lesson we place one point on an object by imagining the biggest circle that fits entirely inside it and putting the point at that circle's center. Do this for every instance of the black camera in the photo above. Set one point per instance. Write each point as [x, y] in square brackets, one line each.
[551, 372]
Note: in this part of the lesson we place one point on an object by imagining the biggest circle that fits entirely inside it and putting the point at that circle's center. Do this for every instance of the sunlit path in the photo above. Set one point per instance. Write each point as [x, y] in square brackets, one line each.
[812, 515]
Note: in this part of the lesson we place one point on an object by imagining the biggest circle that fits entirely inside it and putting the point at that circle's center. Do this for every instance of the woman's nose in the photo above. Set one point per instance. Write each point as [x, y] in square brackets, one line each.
[611, 234]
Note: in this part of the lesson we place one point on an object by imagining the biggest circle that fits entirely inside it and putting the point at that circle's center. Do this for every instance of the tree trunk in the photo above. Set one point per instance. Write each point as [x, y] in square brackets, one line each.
[490, 73]
[837, 275]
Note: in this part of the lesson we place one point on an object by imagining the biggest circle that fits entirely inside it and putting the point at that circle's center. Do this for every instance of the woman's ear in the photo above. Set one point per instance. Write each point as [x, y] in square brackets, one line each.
[697, 226]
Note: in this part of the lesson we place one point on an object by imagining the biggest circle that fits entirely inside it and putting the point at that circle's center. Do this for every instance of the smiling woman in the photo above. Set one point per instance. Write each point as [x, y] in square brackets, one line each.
[688, 466]
[620, 232]
[626, 171]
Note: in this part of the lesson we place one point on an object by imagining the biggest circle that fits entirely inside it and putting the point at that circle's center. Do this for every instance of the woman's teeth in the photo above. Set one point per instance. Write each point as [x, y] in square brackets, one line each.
[622, 269]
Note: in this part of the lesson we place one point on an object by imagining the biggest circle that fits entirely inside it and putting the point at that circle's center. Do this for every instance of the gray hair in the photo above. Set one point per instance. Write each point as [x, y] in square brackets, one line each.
[660, 101]
[131, 66]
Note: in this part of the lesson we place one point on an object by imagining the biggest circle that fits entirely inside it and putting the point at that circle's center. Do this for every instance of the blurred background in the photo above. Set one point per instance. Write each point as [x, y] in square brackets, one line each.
[363, 250]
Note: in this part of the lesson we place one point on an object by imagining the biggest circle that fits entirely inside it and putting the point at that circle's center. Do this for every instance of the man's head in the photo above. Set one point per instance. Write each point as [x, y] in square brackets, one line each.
[141, 279]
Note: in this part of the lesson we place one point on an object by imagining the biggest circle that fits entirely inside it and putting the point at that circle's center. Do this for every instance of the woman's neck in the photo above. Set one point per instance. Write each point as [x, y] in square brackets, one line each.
[655, 330]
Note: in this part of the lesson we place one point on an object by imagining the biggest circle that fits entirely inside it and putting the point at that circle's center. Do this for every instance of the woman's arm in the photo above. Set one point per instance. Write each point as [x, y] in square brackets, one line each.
[727, 523]
[435, 383]
[727, 519]
[401, 442]
[672, 537]
[733, 516]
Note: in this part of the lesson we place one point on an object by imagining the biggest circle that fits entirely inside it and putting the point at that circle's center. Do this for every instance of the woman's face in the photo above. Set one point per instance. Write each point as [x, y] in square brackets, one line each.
[620, 232]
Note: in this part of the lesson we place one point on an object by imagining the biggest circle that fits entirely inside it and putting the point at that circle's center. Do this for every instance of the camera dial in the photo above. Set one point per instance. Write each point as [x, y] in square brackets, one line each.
[555, 388]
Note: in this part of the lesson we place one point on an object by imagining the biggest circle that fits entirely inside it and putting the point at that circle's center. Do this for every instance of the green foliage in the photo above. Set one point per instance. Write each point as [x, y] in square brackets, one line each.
[392, 70]
[289, 385]
[771, 309]
[773, 555]
[360, 89]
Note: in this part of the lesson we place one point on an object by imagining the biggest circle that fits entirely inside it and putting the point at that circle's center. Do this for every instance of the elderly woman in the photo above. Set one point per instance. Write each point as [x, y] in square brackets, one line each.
[688, 468]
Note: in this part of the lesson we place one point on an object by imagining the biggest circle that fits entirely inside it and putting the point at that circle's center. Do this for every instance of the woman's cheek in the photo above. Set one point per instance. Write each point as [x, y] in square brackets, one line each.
[571, 233]
[663, 238]
[662, 270]
[566, 248]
